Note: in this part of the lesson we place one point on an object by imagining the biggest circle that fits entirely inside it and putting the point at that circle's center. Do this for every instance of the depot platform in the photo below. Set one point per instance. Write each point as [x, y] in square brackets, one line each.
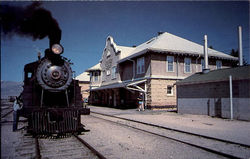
[226, 129]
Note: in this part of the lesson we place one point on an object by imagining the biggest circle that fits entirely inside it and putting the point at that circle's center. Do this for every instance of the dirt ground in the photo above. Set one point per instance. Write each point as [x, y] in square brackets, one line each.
[117, 142]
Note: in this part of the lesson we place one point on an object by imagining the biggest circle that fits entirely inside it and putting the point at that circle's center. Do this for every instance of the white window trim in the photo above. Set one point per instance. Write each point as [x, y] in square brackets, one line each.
[172, 90]
[139, 64]
[108, 72]
[113, 72]
[185, 65]
[218, 61]
[167, 63]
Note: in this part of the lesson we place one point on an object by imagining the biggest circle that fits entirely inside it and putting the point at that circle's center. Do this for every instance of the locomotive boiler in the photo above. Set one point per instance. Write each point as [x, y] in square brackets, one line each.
[52, 101]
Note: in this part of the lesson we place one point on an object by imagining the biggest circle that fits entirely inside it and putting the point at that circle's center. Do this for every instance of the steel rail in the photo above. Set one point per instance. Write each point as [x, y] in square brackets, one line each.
[38, 154]
[188, 143]
[2, 116]
[7, 121]
[10, 107]
[98, 154]
[177, 130]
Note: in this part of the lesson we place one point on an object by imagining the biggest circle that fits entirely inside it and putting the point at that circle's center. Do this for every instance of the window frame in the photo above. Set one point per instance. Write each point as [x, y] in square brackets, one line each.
[172, 90]
[187, 58]
[167, 66]
[107, 72]
[113, 72]
[96, 76]
[29, 75]
[140, 65]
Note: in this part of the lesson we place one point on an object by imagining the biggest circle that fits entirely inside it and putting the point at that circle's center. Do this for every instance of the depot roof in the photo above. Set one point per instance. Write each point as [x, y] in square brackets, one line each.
[169, 43]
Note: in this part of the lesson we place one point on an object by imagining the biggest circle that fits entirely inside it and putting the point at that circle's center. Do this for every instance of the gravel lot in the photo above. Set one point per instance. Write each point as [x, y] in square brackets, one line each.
[236, 131]
[116, 141]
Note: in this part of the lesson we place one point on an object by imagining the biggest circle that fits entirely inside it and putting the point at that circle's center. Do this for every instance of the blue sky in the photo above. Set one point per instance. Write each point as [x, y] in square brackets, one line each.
[86, 25]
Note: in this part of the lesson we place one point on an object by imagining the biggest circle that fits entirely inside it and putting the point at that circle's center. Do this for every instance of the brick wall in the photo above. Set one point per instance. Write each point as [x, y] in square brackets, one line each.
[157, 93]
[84, 89]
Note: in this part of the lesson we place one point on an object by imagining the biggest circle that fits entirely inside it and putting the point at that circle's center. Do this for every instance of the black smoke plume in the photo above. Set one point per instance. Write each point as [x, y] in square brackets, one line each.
[33, 21]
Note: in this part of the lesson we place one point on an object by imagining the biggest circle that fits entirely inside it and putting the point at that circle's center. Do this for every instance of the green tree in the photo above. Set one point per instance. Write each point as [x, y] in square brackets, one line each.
[235, 53]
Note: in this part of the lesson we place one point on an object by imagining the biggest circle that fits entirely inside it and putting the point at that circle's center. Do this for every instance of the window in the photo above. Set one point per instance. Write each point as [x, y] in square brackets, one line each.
[91, 76]
[108, 72]
[170, 64]
[218, 64]
[140, 65]
[170, 90]
[113, 72]
[96, 76]
[187, 65]
[202, 64]
[29, 74]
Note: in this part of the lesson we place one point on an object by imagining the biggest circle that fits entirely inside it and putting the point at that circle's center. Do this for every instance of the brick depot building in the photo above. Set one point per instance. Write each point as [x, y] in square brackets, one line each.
[151, 68]
[84, 81]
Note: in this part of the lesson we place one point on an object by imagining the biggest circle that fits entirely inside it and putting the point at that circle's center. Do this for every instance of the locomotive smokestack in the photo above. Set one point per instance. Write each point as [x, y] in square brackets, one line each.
[32, 21]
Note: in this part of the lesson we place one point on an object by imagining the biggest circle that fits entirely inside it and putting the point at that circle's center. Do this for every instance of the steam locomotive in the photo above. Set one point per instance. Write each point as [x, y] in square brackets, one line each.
[52, 101]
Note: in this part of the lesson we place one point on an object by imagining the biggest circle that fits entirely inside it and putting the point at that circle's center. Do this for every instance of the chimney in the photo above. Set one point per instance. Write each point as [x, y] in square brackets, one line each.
[240, 46]
[205, 69]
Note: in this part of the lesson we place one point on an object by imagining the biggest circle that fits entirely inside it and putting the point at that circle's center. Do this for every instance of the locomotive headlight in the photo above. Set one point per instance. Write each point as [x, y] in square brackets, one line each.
[57, 49]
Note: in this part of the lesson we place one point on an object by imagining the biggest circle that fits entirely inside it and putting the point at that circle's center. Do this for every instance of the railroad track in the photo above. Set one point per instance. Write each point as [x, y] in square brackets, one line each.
[69, 147]
[6, 109]
[27, 146]
[9, 112]
[220, 147]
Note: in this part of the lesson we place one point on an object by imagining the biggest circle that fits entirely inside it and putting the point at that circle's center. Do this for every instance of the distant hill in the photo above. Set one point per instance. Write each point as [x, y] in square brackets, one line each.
[9, 88]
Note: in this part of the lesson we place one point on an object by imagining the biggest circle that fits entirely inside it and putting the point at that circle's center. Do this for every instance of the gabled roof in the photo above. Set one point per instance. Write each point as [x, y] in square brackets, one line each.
[238, 73]
[83, 77]
[125, 51]
[94, 68]
[167, 42]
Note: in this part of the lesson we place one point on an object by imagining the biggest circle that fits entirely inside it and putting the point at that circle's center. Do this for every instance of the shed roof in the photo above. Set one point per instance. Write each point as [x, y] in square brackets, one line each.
[167, 42]
[83, 77]
[238, 73]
